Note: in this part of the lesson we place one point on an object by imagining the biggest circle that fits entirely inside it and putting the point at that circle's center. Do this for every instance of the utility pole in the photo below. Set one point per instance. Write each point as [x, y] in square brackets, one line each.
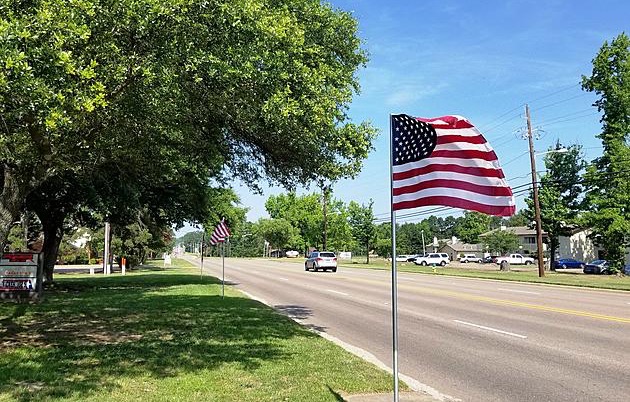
[424, 249]
[532, 158]
[325, 234]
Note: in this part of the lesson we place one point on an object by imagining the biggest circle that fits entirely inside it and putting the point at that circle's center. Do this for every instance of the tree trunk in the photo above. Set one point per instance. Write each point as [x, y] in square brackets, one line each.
[553, 246]
[11, 202]
[367, 252]
[52, 219]
[53, 234]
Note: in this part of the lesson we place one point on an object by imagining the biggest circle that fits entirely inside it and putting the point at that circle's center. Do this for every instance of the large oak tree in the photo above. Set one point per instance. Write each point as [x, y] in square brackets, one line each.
[207, 89]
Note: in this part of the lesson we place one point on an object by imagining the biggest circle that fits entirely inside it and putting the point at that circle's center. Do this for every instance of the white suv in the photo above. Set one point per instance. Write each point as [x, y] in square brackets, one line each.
[469, 258]
[433, 259]
[323, 260]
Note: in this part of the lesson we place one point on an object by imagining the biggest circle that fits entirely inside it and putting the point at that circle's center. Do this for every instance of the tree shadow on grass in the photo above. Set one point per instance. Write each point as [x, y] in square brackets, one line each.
[294, 311]
[299, 313]
[89, 333]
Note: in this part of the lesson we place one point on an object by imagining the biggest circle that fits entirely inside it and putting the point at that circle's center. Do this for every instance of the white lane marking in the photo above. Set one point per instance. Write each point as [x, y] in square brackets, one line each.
[491, 329]
[518, 291]
[283, 279]
[339, 293]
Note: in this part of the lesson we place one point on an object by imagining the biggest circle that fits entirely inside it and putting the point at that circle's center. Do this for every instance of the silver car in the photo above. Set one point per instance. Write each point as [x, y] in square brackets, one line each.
[321, 260]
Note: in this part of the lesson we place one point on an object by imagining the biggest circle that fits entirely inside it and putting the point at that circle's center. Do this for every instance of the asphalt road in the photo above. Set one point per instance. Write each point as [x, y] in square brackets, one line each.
[470, 339]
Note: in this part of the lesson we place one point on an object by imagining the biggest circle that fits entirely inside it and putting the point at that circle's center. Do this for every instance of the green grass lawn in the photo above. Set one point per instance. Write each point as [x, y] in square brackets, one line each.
[167, 335]
[531, 275]
[490, 271]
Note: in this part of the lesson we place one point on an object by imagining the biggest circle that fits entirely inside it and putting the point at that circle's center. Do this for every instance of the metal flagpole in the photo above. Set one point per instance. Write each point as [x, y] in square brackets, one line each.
[106, 267]
[203, 240]
[223, 270]
[394, 273]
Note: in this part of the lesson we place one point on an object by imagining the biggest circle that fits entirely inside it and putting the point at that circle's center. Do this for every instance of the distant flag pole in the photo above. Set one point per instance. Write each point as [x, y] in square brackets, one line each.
[218, 236]
[441, 161]
[203, 240]
[223, 269]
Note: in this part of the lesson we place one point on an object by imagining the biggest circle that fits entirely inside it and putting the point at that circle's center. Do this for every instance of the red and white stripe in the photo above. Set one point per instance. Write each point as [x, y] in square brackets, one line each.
[462, 172]
[220, 233]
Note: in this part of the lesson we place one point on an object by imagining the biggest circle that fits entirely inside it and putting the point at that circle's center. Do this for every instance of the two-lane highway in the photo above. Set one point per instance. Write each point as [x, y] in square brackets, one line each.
[476, 340]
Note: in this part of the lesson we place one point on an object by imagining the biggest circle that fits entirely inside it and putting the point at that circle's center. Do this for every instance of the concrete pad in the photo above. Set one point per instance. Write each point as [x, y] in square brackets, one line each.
[389, 397]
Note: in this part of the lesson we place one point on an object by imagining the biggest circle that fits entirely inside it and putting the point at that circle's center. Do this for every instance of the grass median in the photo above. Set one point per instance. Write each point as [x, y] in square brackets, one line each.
[518, 274]
[167, 335]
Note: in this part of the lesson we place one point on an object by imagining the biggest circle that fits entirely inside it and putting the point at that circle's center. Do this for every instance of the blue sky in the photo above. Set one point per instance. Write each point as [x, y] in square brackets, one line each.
[480, 59]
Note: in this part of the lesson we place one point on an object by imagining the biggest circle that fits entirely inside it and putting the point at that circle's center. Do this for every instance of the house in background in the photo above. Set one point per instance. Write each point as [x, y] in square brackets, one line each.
[455, 247]
[577, 245]
[526, 238]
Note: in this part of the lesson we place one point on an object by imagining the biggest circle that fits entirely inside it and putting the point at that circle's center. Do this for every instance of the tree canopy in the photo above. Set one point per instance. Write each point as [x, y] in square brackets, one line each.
[560, 194]
[361, 219]
[143, 103]
[501, 241]
[608, 180]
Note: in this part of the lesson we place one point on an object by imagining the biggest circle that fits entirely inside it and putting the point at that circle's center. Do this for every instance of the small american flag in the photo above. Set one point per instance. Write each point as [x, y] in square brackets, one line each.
[446, 161]
[220, 233]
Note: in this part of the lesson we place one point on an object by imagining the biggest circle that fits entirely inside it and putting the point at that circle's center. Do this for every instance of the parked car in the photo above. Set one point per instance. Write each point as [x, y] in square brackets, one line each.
[433, 259]
[469, 258]
[292, 254]
[565, 263]
[597, 267]
[488, 260]
[626, 269]
[402, 258]
[412, 258]
[516, 259]
[324, 260]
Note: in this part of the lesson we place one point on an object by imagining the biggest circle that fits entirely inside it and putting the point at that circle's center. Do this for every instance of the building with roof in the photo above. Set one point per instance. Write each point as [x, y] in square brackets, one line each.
[454, 247]
[526, 238]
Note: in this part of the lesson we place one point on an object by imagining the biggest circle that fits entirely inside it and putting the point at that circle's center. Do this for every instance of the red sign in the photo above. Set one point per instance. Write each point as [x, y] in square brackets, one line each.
[20, 257]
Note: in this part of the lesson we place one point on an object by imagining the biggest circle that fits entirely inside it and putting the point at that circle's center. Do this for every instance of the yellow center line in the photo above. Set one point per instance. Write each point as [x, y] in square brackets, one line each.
[468, 296]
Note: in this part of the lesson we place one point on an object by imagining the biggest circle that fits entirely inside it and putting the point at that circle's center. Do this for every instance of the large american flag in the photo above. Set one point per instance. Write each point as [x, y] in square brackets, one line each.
[220, 233]
[446, 161]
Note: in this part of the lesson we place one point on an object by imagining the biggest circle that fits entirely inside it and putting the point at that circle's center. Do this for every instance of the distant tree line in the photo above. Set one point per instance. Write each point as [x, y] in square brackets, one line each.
[297, 222]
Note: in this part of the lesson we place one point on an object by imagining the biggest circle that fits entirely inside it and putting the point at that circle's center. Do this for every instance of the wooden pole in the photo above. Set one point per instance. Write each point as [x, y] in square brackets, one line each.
[532, 158]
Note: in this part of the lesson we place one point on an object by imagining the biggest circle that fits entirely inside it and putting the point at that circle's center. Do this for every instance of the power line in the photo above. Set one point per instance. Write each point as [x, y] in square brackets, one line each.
[590, 110]
[560, 101]
[571, 119]
[553, 93]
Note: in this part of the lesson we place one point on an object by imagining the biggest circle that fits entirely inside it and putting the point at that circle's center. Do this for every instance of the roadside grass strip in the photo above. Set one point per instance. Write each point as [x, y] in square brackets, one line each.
[165, 334]
[551, 278]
